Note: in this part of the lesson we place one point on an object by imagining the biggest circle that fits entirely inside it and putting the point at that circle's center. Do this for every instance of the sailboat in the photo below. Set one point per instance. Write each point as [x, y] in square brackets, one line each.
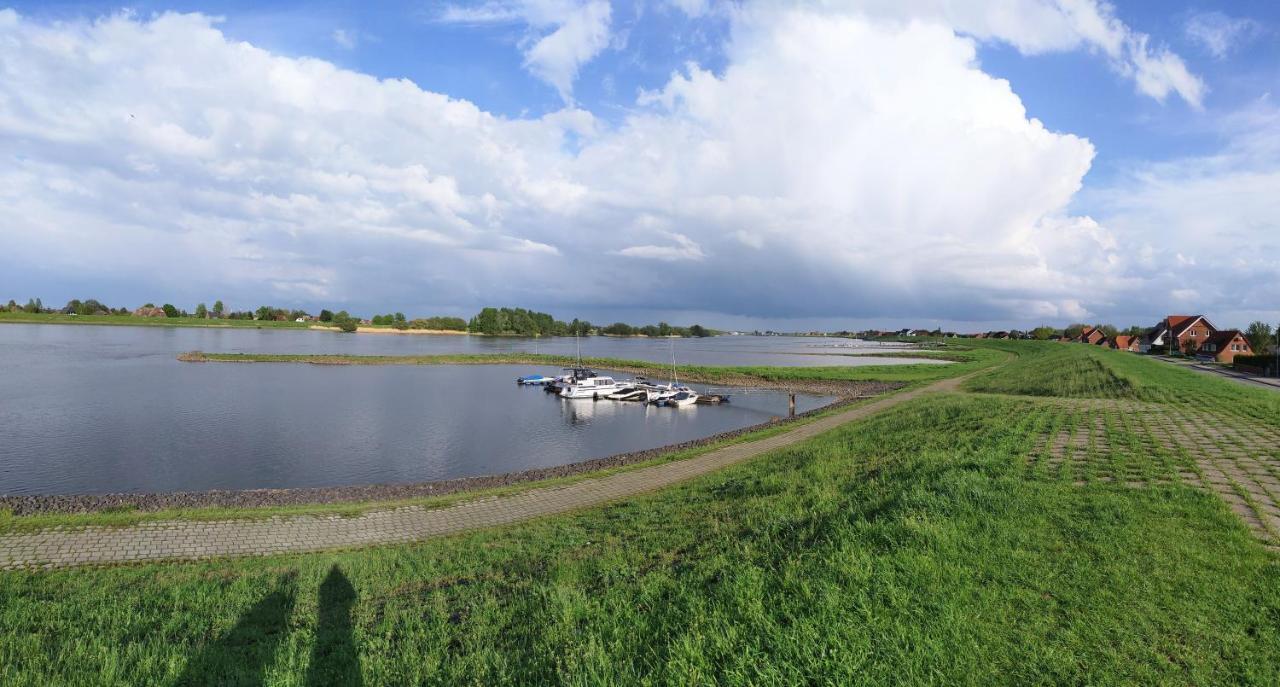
[662, 393]
[572, 375]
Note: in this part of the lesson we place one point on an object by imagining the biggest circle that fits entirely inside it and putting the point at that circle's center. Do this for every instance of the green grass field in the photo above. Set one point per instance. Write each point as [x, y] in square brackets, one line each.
[923, 545]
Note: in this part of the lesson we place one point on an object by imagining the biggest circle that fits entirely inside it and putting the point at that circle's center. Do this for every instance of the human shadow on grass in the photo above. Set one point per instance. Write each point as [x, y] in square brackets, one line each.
[241, 655]
[334, 659]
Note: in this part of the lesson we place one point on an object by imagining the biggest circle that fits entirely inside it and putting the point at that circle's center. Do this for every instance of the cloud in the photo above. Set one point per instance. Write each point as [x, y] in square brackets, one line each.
[683, 249]
[564, 34]
[839, 165]
[347, 40]
[1036, 27]
[1218, 33]
[1206, 225]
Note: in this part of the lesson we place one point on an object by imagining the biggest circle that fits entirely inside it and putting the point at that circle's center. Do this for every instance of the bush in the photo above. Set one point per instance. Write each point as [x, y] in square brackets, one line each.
[1263, 364]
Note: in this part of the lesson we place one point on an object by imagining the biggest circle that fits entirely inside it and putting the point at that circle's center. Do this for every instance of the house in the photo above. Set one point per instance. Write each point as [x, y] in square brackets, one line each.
[1091, 335]
[1195, 329]
[1124, 342]
[1224, 346]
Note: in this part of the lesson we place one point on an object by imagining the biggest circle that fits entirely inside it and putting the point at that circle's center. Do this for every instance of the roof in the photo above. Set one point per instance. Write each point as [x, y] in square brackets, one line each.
[1123, 341]
[1224, 338]
[1181, 323]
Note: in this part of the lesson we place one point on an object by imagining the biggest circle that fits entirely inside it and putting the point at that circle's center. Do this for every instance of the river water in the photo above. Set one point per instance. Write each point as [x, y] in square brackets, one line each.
[97, 409]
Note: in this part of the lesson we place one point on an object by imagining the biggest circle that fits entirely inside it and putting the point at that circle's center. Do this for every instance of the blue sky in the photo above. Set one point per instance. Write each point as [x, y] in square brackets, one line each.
[815, 164]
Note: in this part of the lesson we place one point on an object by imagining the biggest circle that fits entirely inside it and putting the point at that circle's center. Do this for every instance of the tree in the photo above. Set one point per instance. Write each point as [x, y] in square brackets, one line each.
[326, 316]
[1073, 331]
[263, 312]
[13, 306]
[217, 309]
[169, 310]
[91, 307]
[201, 311]
[345, 322]
[400, 317]
[1260, 336]
[1188, 346]
[1109, 330]
[32, 306]
[698, 331]
[1044, 333]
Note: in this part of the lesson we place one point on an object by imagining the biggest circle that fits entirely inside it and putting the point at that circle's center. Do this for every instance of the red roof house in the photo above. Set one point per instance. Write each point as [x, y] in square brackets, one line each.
[1124, 342]
[1224, 346]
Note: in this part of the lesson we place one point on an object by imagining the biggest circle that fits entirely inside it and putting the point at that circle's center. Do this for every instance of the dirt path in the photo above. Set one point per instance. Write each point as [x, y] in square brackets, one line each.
[192, 540]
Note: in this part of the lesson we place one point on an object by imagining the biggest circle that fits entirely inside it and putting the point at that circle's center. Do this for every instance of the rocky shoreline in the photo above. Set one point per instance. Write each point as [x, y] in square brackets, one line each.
[849, 392]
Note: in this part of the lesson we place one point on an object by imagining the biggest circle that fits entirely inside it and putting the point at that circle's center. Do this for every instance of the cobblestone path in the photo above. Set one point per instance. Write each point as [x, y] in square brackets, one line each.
[193, 540]
[1145, 444]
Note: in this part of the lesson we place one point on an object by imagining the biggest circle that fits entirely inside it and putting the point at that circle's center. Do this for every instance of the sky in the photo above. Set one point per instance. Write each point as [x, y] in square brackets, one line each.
[771, 164]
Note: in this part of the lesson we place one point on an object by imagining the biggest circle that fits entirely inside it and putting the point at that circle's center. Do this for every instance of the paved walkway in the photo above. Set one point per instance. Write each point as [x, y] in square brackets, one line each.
[193, 540]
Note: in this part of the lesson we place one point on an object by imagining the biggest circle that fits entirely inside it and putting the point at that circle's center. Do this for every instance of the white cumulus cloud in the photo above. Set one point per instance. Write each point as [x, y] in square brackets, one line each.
[840, 164]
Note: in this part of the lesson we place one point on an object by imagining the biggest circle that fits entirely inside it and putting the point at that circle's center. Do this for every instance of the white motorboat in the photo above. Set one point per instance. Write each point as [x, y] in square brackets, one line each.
[629, 390]
[661, 392]
[592, 387]
[571, 376]
[683, 399]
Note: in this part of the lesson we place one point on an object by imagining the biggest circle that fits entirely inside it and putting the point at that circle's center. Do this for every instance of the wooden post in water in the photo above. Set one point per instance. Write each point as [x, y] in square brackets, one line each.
[791, 404]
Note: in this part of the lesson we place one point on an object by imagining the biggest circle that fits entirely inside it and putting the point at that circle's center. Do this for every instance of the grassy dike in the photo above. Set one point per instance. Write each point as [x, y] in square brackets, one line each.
[912, 547]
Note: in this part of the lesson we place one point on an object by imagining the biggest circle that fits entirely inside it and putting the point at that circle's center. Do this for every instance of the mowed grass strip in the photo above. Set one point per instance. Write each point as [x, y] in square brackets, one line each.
[1063, 370]
[906, 549]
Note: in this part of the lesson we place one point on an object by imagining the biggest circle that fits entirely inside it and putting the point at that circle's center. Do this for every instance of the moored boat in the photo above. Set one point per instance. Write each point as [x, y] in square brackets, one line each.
[682, 399]
[592, 387]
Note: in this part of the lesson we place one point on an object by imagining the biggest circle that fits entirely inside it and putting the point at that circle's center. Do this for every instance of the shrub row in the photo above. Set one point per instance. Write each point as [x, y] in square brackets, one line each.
[1263, 364]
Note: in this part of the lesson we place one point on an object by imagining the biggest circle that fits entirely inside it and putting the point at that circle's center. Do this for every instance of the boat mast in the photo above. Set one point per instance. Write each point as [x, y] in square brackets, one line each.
[675, 380]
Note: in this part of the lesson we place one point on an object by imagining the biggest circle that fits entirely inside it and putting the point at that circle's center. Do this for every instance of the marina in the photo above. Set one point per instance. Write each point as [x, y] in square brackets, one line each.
[92, 410]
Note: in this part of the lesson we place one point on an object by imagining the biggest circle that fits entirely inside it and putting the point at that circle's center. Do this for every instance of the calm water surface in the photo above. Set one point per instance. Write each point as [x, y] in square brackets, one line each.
[108, 409]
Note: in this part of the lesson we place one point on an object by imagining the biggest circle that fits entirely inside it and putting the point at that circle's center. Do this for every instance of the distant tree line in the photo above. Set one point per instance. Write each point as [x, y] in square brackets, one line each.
[491, 321]
[522, 322]
[1074, 330]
